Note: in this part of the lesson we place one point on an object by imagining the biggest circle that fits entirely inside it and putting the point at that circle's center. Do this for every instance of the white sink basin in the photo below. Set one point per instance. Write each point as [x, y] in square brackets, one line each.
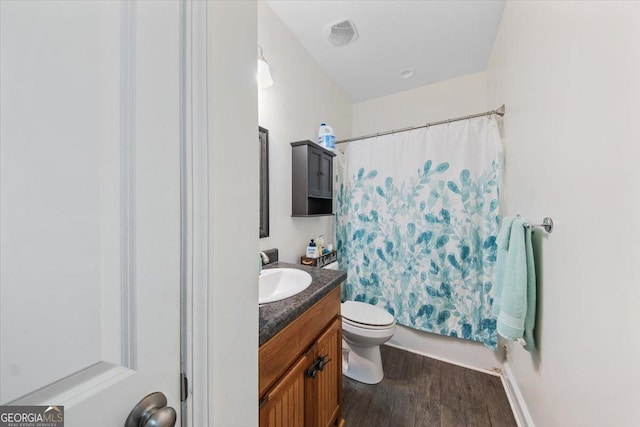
[276, 284]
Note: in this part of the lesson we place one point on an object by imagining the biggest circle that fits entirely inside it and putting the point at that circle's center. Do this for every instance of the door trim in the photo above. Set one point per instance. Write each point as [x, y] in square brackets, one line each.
[195, 318]
[129, 350]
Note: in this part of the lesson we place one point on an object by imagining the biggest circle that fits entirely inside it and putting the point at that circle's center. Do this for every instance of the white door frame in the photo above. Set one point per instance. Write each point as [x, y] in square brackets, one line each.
[217, 138]
[195, 212]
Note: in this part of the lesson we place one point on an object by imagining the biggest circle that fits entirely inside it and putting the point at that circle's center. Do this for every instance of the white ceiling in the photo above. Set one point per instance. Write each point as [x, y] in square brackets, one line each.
[440, 39]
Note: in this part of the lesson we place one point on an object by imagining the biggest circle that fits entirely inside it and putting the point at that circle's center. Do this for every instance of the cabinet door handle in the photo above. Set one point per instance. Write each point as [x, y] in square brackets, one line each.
[318, 365]
[323, 361]
[312, 372]
[263, 402]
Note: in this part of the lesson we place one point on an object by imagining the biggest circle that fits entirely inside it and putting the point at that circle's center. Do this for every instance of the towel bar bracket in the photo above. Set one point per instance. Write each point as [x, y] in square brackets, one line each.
[547, 224]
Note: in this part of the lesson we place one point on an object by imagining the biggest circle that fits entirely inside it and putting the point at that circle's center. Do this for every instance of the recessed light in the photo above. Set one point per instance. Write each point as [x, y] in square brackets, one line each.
[407, 73]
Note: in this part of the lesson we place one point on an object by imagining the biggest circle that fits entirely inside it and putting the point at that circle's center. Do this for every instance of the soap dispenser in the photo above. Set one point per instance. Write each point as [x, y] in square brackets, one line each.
[312, 250]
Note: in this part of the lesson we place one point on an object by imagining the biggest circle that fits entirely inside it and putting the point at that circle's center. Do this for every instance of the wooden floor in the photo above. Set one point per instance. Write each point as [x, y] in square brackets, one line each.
[419, 391]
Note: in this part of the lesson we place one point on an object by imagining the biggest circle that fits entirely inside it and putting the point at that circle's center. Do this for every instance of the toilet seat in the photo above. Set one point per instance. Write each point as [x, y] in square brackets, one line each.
[366, 316]
[348, 322]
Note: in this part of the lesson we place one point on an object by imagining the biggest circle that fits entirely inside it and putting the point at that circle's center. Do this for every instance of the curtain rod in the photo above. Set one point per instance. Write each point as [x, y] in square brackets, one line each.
[499, 111]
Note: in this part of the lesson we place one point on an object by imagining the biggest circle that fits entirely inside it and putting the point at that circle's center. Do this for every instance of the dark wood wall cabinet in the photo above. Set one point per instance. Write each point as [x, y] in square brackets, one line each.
[311, 179]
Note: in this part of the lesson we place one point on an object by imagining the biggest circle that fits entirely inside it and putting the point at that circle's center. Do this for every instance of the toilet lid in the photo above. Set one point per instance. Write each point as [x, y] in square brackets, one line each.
[366, 314]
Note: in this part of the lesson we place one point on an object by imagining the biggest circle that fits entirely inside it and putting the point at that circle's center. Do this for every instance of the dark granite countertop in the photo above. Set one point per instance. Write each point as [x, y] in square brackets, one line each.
[274, 316]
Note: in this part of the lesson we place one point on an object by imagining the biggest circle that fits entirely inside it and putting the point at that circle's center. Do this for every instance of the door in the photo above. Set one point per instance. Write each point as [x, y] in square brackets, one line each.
[328, 382]
[315, 176]
[326, 175]
[89, 206]
[320, 173]
[287, 405]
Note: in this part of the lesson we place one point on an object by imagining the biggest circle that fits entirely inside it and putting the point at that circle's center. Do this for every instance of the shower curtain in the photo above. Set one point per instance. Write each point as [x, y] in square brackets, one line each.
[416, 225]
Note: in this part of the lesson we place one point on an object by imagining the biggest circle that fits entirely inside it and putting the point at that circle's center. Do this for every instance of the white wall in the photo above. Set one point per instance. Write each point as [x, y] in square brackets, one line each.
[301, 97]
[233, 214]
[438, 101]
[569, 73]
[451, 98]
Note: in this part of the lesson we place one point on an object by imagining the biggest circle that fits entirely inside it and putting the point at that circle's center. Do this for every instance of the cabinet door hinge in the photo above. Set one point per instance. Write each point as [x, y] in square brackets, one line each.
[184, 387]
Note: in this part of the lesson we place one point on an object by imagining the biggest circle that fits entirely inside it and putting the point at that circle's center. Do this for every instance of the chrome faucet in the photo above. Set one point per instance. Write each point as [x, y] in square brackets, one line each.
[264, 260]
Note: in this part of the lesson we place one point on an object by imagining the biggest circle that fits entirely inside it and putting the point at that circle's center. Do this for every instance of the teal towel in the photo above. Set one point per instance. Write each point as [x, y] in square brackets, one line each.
[530, 318]
[515, 297]
[502, 241]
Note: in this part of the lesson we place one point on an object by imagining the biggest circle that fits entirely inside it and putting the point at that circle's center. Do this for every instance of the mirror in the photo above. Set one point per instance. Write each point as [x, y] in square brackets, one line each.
[263, 137]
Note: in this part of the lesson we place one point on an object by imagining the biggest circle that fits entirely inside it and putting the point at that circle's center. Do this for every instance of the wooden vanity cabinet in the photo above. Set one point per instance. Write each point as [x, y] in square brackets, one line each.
[300, 378]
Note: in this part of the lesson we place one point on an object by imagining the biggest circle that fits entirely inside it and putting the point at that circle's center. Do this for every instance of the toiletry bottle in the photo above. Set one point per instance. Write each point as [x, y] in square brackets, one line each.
[320, 244]
[326, 138]
[312, 250]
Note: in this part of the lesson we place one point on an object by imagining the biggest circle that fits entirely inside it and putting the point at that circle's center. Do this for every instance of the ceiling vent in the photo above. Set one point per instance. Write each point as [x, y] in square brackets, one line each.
[341, 33]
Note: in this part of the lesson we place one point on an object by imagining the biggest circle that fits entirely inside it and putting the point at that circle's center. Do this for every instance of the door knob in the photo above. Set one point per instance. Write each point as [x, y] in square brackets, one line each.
[152, 411]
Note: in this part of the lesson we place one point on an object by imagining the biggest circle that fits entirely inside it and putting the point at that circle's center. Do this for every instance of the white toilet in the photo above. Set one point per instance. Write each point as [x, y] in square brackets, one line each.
[364, 329]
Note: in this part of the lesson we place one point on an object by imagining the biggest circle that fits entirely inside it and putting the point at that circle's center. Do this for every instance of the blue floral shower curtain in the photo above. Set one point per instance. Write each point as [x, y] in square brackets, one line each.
[417, 219]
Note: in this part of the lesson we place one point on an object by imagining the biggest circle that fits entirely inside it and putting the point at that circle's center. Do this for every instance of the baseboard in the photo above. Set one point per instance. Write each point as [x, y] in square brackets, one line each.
[496, 373]
[516, 400]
